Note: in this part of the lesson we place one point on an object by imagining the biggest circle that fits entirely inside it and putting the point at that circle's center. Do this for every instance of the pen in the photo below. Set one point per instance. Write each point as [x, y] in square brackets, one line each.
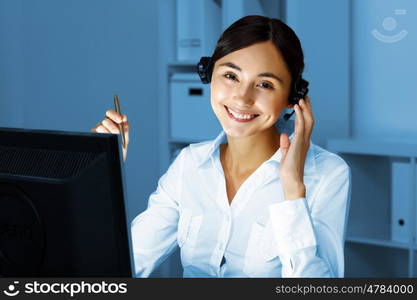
[117, 107]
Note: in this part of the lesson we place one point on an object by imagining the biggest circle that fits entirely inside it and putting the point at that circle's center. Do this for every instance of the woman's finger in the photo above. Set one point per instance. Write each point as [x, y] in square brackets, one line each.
[125, 126]
[110, 125]
[94, 129]
[284, 144]
[299, 121]
[305, 105]
[115, 117]
[307, 101]
[102, 129]
[307, 113]
[308, 122]
[309, 119]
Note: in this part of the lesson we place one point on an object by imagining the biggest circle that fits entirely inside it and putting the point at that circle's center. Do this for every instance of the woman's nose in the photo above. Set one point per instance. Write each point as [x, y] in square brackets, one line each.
[243, 96]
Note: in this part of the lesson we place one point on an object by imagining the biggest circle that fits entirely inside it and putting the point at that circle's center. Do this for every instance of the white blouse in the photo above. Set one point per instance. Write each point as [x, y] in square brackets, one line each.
[260, 234]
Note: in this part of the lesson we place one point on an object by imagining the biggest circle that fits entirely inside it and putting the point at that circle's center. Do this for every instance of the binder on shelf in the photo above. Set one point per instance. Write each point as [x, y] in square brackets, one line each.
[191, 117]
[400, 201]
[198, 28]
[236, 9]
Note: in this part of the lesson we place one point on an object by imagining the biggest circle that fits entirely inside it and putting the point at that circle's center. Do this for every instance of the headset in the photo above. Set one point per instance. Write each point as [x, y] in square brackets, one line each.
[298, 91]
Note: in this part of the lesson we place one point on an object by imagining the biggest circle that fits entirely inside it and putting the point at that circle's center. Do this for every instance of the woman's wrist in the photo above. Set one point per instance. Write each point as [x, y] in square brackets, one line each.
[295, 191]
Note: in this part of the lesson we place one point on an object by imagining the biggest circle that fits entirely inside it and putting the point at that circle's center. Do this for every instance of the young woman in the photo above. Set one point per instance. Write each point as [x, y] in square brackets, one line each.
[253, 202]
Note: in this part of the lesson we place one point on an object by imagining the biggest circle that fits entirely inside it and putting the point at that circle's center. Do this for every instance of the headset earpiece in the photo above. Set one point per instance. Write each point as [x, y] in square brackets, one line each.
[298, 92]
[204, 69]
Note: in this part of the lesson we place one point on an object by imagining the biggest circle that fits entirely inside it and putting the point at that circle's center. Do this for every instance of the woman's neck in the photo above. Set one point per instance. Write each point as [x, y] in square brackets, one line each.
[244, 155]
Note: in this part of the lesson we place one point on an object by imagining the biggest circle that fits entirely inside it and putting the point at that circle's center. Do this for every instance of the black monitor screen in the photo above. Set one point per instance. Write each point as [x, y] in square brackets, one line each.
[62, 206]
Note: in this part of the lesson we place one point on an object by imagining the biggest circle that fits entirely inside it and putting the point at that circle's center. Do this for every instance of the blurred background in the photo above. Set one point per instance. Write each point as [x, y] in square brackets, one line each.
[61, 62]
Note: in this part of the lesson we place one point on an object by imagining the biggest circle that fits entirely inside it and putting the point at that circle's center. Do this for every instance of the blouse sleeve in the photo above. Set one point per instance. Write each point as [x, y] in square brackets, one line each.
[154, 231]
[311, 240]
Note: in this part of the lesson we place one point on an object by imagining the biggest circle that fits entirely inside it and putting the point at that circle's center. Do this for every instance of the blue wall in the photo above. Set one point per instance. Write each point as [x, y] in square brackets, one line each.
[62, 61]
[383, 84]
[324, 30]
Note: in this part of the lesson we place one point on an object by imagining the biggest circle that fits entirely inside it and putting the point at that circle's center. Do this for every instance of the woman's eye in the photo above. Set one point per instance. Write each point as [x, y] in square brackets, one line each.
[230, 76]
[266, 85]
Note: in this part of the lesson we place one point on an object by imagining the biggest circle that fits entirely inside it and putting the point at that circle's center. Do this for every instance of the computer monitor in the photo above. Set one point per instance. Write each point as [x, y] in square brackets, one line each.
[62, 205]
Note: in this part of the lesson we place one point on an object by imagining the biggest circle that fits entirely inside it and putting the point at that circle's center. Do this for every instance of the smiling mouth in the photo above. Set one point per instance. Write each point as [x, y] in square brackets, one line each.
[240, 117]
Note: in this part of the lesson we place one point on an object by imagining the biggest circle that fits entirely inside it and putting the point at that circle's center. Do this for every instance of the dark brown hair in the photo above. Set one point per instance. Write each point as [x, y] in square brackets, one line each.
[254, 29]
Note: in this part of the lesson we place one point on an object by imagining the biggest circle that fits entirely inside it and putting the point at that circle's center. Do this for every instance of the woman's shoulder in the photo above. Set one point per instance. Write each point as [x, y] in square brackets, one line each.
[327, 161]
[192, 155]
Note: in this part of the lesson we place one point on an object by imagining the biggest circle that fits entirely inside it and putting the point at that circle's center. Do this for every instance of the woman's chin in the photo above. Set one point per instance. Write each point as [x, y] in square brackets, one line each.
[244, 131]
[238, 132]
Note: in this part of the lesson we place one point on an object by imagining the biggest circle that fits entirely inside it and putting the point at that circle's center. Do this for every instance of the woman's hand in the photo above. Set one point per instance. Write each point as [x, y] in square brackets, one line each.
[111, 125]
[294, 154]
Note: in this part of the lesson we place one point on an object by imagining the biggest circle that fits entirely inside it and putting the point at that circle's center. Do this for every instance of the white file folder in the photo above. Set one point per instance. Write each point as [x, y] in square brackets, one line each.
[400, 201]
[198, 28]
[191, 117]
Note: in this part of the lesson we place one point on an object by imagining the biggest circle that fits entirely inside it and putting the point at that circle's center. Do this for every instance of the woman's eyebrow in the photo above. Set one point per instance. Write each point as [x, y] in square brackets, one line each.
[266, 74]
[231, 65]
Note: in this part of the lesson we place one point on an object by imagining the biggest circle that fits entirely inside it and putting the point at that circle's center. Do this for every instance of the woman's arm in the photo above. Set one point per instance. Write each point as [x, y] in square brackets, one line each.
[311, 240]
[154, 231]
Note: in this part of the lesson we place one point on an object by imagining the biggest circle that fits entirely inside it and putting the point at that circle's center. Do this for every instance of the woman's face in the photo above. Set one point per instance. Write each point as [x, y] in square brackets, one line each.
[249, 89]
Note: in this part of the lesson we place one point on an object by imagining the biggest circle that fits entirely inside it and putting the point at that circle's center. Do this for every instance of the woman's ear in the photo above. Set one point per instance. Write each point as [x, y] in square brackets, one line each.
[289, 105]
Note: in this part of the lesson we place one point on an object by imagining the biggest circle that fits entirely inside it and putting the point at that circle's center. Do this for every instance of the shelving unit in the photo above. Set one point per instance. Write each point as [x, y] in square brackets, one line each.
[366, 260]
[370, 248]
[169, 65]
[415, 263]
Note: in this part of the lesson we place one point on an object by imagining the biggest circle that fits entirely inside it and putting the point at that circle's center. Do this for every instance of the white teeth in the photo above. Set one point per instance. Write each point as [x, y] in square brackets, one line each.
[240, 116]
